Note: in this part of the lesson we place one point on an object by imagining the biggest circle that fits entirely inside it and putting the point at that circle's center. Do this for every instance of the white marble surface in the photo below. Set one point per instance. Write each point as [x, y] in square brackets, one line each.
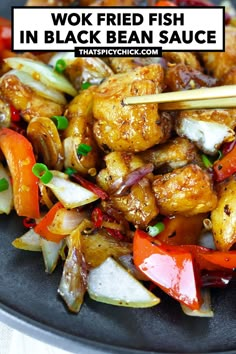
[14, 342]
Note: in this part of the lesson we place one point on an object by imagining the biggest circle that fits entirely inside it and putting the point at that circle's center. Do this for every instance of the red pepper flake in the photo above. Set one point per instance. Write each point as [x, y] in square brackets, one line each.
[116, 234]
[97, 217]
[15, 114]
[29, 223]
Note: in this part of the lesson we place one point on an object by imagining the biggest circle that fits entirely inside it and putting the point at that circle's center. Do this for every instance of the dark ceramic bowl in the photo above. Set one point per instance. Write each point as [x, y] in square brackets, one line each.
[29, 302]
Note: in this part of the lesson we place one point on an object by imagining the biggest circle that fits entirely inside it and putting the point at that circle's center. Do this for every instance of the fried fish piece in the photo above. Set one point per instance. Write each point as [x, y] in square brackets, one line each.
[130, 128]
[185, 191]
[219, 63]
[24, 99]
[138, 205]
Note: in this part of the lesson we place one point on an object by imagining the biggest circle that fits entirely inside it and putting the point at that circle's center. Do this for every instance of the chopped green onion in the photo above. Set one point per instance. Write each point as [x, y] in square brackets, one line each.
[84, 149]
[85, 85]
[220, 155]
[156, 229]
[206, 161]
[60, 66]
[69, 171]
[4, 184]
[42, 172]
[61, 122]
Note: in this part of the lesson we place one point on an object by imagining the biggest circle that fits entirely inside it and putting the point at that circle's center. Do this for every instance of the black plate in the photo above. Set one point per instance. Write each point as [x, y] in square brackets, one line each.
[29, 302]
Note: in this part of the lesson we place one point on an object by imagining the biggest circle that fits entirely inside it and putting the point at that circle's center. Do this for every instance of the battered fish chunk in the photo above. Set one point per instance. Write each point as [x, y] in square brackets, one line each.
[80, 131]
[186, 58]
[29, 103]
[130, 128]
[174, 154]
[186, 191]
[139, 204]
[219, 63]
[208, 129]
[183, 77]
[124, 65]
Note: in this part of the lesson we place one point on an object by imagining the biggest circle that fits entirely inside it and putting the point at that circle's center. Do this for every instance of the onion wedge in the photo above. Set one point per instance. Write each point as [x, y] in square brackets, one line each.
[38, 86]
[74, 277]
[51, 254]
[112, 284]
[6, 197]
[205, 309]
[43, 73]
[70, 194]
[65, 221]
[30, 241]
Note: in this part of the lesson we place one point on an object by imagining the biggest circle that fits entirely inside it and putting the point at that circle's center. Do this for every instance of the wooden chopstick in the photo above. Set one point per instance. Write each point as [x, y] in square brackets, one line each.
[209, 97]
[229, 102]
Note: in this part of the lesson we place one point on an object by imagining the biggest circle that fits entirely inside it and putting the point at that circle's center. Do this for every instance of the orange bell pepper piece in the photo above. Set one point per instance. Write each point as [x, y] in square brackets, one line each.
[42, 227]
[20, 158]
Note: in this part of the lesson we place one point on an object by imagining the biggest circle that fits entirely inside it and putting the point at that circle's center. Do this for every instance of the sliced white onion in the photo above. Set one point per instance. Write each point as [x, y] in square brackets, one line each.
[6, 197]
[51, 253]
[94, 70]
[205, 310]
[30, 241]
[112, 284]
[68, 57]
[70, 194]
[65, 221]
[43, 73]
[38, 86]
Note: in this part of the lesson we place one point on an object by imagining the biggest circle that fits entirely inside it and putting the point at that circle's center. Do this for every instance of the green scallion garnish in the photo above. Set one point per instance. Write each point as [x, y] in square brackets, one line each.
[220, 155]
[4, 184]
[69, 171]
[83, 149]
[42, 172]
[206, 161]
[156, 229]
[60, 66]
[85, 85]
[61, 122]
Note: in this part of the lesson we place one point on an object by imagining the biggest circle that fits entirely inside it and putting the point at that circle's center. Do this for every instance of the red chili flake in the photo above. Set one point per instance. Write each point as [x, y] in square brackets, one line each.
[15, 114]
[116, 234]
[97, 217]
[29, 223]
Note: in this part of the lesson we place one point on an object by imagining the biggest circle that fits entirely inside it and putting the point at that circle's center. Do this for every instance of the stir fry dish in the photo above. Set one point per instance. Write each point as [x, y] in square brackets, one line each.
[130, 199]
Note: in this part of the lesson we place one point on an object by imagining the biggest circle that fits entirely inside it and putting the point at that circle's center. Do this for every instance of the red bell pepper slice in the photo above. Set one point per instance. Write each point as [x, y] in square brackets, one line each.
[20, 158]
[226, 166]
[170, 267]
[177, 269]
[42, 227]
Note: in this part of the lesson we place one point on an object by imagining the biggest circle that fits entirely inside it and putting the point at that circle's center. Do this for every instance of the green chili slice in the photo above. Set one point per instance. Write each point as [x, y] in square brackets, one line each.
[156, 229]
[42, 172]
[69, 171]
[83, 149]
[85, 85]
[60, 66]
[61, 122]
[206, 161]
[4, 184]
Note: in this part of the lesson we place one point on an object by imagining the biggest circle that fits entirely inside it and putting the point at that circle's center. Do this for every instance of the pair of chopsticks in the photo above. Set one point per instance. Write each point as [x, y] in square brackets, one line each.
[210, 97]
